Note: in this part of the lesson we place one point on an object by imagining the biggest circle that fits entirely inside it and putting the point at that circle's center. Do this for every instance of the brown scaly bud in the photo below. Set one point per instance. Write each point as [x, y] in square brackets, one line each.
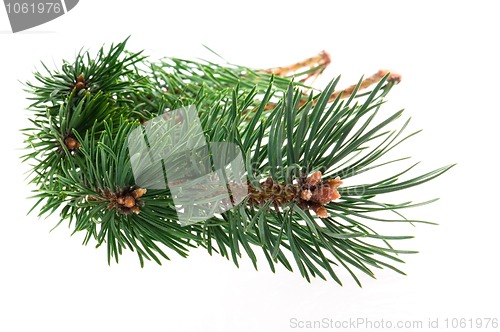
[320, 211]
[314, 179]
[71, 143]
[135, 209]
[326, 191]
[129, 202]
[315, 193]
[139, 192]
[80, 83]
[306, 194]
[79, 86]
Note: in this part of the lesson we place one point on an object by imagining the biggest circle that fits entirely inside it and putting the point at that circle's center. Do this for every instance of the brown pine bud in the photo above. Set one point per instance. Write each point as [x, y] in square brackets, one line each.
[129, 202]
[327, 191]
[71, 143]
[306, 194]
[314, 179]
[80, 78]
[79, 86]
[321, 212]
[139, 192]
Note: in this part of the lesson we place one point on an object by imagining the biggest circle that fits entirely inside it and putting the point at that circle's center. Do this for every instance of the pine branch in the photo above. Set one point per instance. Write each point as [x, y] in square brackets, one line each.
[297, 148]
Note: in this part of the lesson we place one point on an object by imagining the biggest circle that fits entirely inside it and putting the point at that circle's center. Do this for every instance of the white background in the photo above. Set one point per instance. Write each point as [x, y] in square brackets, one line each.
[448, 56]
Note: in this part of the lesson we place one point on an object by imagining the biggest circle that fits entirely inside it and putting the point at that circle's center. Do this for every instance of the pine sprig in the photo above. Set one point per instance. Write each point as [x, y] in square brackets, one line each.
[297, 148]
[108, 72]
